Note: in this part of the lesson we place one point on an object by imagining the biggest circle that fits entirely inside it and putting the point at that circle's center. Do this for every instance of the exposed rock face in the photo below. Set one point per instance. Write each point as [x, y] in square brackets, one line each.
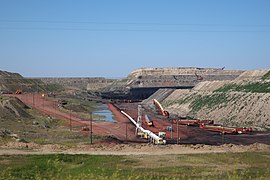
[186, 78]
[231, 108]
[90, 84]
[232, 103]
[253, 74]
[168, 77]
[7, 80]
[183, 71]
[11, 107]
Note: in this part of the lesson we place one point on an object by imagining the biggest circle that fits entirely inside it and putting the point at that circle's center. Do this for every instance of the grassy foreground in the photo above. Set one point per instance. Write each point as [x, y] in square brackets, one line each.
[250, 165]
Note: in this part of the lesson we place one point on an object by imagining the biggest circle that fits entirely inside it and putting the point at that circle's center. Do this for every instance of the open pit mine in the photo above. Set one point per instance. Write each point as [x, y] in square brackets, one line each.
[157, 105]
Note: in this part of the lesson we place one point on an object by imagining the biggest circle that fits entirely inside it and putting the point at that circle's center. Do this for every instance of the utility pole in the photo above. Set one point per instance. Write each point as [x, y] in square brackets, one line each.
[126, 130]
[43, 98]
[177, 132]
[91, 127]
[70, 127]
[222, 136]
[35, 92]
[33, 99]
[55, 105]
[139, 119]
[171, 130]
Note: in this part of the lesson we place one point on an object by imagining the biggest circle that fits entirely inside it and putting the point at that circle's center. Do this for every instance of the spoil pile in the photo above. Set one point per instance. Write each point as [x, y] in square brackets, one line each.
[231, 103]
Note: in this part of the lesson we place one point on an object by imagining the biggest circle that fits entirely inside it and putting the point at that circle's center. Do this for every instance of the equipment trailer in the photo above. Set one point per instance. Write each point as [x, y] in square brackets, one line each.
[226, 130]
[193, 122]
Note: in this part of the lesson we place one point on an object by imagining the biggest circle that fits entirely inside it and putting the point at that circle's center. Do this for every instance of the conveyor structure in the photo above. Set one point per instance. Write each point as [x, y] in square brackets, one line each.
[146, 133]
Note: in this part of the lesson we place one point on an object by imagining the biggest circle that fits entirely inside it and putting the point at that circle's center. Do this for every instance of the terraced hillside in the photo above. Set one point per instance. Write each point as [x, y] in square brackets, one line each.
[167, 77]
[232, 103]
[10, 82]
[154, 78]
[83, 83]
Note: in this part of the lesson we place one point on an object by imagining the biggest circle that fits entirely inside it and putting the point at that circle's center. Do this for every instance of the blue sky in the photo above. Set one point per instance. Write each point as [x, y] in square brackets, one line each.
[110, 38]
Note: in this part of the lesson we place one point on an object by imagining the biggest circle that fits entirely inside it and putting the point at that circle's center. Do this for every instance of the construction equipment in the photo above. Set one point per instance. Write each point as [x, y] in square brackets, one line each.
[162, 134]
[169, 128]
[158, 105]
[85, 128]
[18, 91]
[193, 122]
[226, 130]
[62, 102]
[148, 121]
[199, 78]
[145, 133]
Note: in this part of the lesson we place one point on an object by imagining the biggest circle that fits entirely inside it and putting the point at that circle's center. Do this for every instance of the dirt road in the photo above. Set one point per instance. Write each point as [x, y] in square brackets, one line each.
[121, 129]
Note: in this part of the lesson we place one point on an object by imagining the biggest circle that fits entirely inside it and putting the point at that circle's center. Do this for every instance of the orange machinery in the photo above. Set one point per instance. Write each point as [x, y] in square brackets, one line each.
[18, 91]
[226, 130]
[158, 105]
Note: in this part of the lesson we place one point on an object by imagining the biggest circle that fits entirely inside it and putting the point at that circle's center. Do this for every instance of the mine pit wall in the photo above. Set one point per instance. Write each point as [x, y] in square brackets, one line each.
[144, 93]
[142, 83]
[231, 108]
[253, 74]
[138, 94]
[159, 95]
[162, 77]
[227, 108]
[81, 83]
[183, 71]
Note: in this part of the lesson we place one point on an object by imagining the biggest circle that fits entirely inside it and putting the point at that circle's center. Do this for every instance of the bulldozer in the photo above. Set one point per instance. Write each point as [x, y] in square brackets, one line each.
[19, 91]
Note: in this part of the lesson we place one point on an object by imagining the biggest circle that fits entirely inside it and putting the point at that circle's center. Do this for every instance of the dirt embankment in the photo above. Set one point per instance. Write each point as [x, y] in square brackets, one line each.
[232, 108]
[12, 107]
[119, 129]
[126, 149]
[232, 103]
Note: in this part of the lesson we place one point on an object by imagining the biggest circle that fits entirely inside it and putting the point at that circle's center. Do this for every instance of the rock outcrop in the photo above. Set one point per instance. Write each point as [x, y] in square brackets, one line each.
[12, 107]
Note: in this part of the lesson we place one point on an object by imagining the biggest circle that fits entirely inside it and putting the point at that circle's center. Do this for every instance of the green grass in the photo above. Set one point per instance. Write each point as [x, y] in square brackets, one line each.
[53, 87]
[45, 130]
[81, 107]
[249, 165]
[209, 101]
[257, 87]
[179, 101]
[29, 85]
[3, 98]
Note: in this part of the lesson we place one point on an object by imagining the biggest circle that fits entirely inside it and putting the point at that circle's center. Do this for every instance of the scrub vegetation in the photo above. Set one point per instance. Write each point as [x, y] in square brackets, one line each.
[266, 76]
[208, 101]
[253, 87]
[248, 165]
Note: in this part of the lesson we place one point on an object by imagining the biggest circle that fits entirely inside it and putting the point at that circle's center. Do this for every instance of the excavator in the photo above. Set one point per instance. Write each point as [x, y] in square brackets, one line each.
[199, 78]
[158, 105]
[148, 121]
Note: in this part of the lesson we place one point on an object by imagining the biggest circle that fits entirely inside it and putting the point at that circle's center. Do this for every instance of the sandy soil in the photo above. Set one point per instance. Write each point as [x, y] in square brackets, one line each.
[126, 149]
[121, 129]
